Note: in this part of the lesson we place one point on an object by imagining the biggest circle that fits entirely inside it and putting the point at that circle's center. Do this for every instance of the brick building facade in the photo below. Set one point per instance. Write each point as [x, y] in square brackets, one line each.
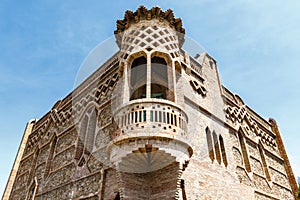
[152, 122]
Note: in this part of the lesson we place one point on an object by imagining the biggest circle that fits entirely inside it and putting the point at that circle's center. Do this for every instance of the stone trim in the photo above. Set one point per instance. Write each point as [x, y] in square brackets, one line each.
[13, 173]
[284, 155]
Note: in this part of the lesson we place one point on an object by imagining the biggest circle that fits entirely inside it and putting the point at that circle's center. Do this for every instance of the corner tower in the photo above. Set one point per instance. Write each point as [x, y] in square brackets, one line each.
[146, 105]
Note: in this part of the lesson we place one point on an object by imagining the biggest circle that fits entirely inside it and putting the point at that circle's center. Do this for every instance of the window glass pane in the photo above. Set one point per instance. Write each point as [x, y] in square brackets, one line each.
[138, 78]
[159, 78]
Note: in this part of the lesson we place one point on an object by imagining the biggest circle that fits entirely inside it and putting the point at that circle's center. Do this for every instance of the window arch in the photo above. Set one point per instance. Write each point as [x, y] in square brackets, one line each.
[80, 141]
[210, 144]
[159, 78]
[223, 151]
[151, 78]
[85, 141]
[138, 78]
[244, 151]
[216, 147]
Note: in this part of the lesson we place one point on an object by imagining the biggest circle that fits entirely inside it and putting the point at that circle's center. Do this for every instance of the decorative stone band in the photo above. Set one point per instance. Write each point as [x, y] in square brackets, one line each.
[62, 115]
[238, 115]
[96, 95]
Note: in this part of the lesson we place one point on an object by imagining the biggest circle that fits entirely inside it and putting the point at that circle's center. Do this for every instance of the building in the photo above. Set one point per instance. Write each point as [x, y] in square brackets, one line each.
[152, 122]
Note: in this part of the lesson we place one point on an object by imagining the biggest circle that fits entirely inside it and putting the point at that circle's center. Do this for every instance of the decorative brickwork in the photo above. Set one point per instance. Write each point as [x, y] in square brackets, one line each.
[175, 134]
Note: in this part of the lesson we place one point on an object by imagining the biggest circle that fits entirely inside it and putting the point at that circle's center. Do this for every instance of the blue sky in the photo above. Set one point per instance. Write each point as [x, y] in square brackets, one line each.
[43, 43]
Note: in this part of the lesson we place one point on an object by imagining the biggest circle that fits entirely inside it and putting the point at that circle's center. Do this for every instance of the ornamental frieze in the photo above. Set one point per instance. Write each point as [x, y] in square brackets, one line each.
[240, 116]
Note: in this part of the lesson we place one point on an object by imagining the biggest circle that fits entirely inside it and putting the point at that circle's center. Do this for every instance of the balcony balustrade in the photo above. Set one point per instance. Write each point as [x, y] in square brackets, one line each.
[149, 127]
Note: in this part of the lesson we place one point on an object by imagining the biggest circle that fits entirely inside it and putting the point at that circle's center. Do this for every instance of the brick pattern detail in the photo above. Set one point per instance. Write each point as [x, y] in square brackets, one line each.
[54, 163]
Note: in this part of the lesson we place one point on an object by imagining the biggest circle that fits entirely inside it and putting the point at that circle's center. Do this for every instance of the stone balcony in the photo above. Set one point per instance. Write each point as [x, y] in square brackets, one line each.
[152, 134]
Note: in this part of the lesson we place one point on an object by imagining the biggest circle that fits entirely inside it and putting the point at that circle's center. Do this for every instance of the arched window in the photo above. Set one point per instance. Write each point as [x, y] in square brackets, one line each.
[85, 141]
[217, 147]
[210, 144]
[90, 134]
[159, 78]
[223, 151]
[80, 140]
[138, 78]
[153, 82]
[244, 152]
